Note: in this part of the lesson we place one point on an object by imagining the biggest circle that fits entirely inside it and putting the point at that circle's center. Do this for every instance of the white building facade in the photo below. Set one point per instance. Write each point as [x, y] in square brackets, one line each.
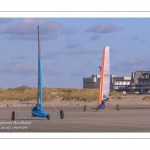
[138, 82]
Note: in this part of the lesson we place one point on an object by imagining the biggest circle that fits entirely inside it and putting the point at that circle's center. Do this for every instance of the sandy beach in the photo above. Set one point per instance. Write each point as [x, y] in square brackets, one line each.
[133, 116]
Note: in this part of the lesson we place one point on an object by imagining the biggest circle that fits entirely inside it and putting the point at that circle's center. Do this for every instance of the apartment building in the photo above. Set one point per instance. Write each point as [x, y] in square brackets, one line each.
[138, 82]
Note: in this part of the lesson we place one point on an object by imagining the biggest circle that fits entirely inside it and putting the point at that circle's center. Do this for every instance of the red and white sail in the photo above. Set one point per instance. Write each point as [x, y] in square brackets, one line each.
[104, 76]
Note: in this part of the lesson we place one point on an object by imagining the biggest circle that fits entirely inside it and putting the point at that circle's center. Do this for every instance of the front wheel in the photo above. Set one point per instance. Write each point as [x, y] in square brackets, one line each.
[48, 117]
[13, 116]
[61, 114]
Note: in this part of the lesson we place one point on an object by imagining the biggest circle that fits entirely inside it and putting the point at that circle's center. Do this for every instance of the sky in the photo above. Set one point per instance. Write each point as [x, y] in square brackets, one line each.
[71, 49]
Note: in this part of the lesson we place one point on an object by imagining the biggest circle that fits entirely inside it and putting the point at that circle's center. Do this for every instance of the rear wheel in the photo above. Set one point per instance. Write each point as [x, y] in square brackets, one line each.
[61, 114]
[48, 117]
[117, 107]
[84, 108]
[13, 116]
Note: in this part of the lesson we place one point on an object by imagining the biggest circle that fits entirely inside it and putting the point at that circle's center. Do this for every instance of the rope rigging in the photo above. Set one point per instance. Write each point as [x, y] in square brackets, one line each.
[48, 95]
[26, 90]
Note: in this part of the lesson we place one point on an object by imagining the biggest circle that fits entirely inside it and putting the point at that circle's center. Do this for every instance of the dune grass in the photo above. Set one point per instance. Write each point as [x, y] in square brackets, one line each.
[146, 98]
[25, 93]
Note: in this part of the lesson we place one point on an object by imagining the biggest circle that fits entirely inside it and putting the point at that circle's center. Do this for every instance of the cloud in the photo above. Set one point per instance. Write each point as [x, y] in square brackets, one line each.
[27, 29]
[49, 56]
[20, 57]
[17, 68]
[54, 55]
[10, 63]
[124, 38]
[68, 31]
[32, 37]
[143, 40]
[135, 37]
[94, 52]
[78, 51]
[95, 37]
[81, 51]
[98, 28]
[56, 63]
[51, 72]
[26, 69]
[73, 44]
[2, 29]
[78, 72]
[55, 82]
[89, 63]
[134, 63]
[134, 60]
[5, 20]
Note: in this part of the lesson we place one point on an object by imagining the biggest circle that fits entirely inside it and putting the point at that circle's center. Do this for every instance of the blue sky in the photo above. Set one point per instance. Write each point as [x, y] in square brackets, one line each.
[71, 49]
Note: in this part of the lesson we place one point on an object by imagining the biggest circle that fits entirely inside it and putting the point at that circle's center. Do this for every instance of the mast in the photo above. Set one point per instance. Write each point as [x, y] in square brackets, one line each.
[101, 78]
[39, 98]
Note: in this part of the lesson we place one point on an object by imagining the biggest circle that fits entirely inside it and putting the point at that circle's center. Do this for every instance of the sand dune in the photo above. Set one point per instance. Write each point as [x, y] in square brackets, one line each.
[126, 100]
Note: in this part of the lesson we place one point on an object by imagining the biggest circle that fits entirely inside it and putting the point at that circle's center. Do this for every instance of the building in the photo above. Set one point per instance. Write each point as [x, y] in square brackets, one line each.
[92, 82]
[138, 82]
[119, 84]
[116, 83]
